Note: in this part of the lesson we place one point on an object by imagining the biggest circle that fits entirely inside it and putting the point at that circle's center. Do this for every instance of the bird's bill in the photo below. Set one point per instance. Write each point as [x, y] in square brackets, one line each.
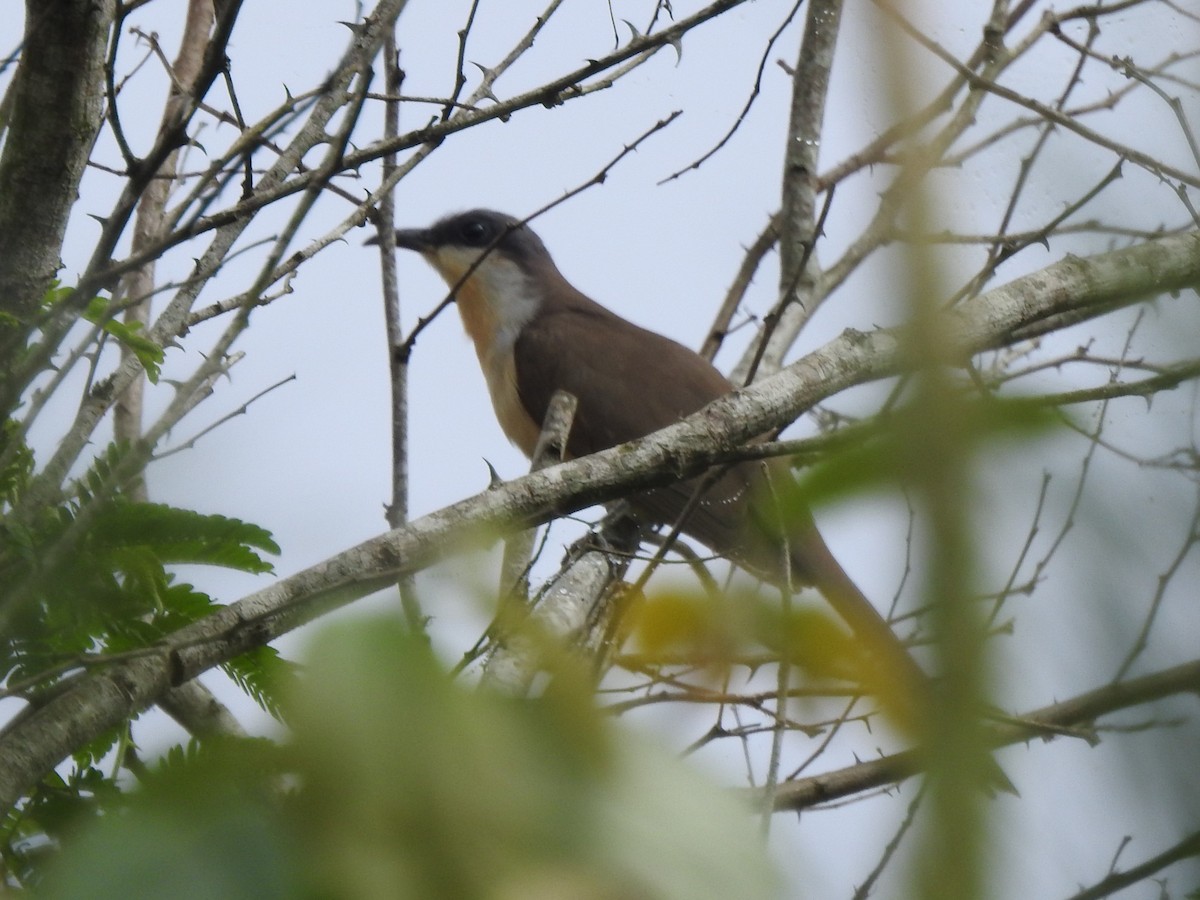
[406, 239]
[413, 239]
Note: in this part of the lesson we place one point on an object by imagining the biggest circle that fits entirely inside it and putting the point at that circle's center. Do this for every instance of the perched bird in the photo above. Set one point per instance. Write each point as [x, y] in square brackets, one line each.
[535, 333]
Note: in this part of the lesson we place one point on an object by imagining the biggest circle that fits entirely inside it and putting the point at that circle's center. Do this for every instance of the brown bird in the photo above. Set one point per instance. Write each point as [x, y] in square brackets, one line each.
[534, 333]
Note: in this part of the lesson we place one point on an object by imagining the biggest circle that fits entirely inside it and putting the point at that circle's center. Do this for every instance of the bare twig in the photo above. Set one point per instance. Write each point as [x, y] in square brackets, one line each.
[1186, 848]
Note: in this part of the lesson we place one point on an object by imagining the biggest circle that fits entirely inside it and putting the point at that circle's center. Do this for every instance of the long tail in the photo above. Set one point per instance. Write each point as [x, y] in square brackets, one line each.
[889, 672]
[885, 666]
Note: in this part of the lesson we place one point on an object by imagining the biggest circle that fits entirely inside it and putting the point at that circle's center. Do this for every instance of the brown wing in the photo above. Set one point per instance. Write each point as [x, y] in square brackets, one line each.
[630, 382]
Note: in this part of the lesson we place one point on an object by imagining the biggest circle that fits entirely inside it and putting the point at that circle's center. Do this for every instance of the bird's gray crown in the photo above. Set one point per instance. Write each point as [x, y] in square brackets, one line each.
[482, 228]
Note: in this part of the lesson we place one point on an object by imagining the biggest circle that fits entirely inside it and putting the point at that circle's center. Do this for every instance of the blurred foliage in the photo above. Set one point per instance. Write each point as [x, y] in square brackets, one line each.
[204, 824]
[895, 447]
[718, 631]
[400, 783]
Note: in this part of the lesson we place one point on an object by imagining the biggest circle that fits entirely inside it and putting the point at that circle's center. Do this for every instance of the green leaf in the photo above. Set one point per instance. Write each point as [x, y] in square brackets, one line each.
[91, 753]
[184, 536]
[56, 294]
[149, 354]
[143, 573]
[15, 474]
[263, 674]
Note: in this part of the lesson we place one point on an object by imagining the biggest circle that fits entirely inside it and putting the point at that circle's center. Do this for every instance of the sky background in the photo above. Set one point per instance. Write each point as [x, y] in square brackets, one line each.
[310, 461]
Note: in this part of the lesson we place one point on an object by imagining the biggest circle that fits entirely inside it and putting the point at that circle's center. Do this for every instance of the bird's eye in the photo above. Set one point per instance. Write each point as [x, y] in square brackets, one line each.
[475, 233]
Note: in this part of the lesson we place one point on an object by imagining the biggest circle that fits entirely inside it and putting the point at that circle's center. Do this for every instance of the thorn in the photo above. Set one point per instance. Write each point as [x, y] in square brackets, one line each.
[677, 43]
[488, 74]
[494, 479]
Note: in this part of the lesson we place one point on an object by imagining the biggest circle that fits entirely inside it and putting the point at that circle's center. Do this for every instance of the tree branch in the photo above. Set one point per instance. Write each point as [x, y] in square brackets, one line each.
[56, 114]
[1080, 710]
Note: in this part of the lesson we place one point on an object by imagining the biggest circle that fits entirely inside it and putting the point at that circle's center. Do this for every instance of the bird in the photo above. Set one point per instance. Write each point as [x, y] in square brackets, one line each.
[535, 333]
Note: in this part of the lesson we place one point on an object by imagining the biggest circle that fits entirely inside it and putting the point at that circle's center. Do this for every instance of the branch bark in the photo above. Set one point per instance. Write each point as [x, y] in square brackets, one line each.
[56, 114]
[798, 210]
[150, 224]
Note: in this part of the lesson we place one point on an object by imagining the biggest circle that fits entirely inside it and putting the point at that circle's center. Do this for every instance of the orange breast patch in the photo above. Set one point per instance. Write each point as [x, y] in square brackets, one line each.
[478, 317]
[499, 368]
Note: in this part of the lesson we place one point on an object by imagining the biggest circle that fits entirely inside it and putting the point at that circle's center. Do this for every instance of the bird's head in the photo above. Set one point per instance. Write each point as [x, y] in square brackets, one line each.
[498, 268]
[454, 244]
